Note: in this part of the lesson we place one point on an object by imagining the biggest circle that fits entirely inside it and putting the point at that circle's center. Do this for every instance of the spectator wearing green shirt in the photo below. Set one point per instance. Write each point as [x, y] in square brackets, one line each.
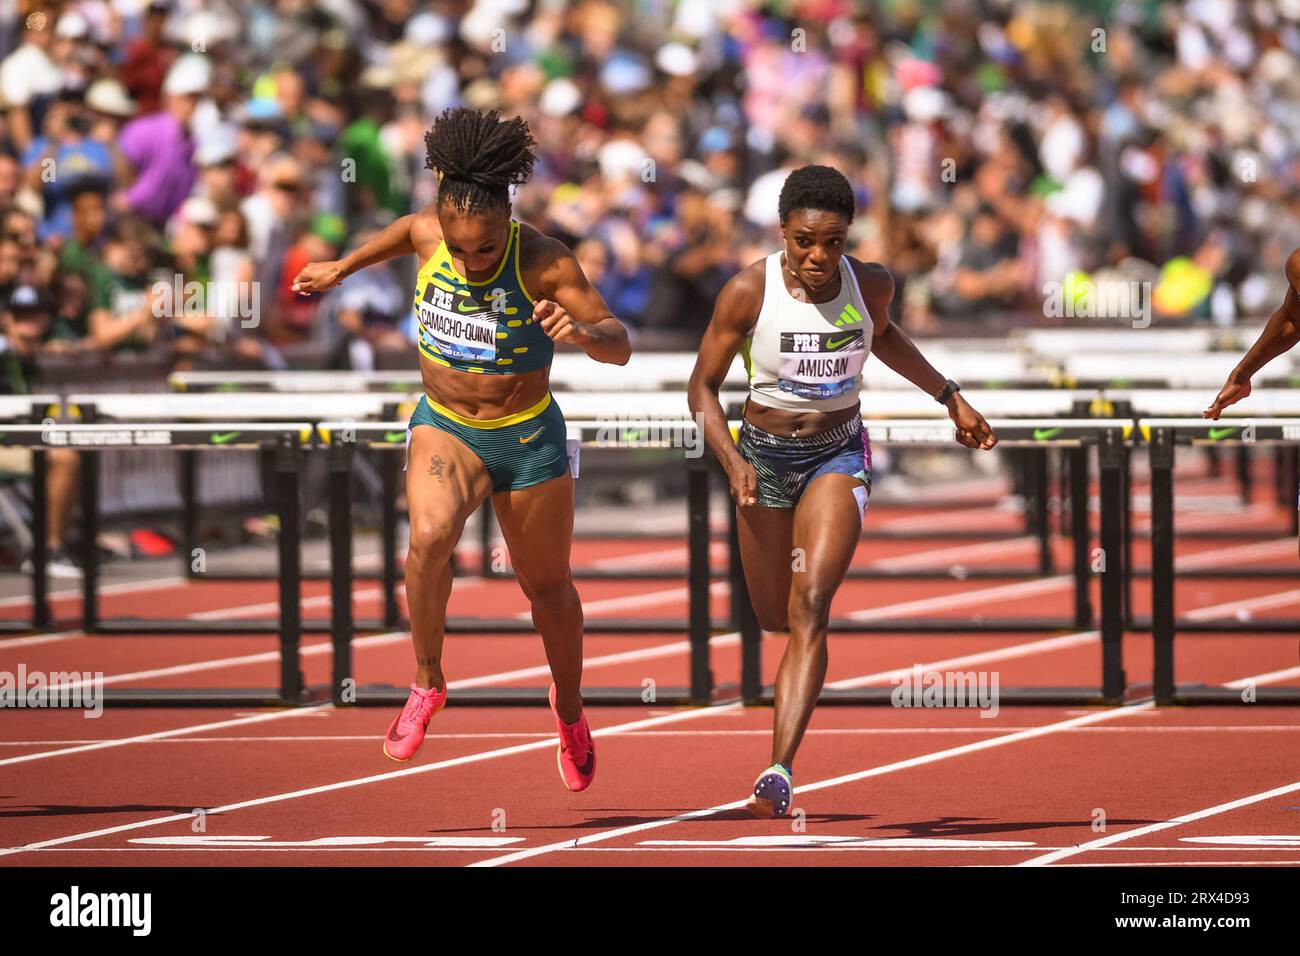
[121, 313]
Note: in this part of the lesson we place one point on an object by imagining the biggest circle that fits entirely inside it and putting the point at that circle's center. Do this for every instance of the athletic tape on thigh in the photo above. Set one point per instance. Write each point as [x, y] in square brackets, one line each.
[574, 447]
[860, 496]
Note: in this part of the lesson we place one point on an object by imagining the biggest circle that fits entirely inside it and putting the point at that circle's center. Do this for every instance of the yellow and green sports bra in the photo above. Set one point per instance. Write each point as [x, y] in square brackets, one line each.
[484, 327]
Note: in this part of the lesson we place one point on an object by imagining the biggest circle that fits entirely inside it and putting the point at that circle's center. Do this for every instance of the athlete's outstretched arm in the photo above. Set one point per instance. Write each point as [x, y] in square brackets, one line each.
[1280, 334]
[892, 346]
[734, 315]
[568, 307]
[391, 241]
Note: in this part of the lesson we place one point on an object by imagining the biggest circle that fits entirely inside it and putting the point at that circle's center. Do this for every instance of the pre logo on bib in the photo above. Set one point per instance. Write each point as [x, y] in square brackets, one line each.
[820, 364]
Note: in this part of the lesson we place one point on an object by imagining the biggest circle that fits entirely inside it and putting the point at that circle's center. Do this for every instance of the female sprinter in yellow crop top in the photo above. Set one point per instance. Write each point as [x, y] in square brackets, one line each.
[493, 296]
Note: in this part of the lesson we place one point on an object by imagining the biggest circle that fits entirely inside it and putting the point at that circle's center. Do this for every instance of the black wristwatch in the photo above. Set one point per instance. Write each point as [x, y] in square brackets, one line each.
[950, 388]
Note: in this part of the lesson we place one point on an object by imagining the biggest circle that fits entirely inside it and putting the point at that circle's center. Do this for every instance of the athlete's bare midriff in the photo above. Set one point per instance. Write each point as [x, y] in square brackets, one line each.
[777, 421]
[483, 396]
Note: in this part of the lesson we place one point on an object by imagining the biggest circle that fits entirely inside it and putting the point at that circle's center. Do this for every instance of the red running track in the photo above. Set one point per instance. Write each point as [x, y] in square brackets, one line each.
[1133, 785]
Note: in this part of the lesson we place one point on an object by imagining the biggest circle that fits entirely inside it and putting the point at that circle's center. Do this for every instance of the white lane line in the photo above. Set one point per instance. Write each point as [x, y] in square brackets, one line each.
[307, 738]
[830, 732]
[1231, 609]
[977, 596]
[35, 639]
[1050, 858]
[1176, 821]
[1195, 520]
[919, 606]
[621, 657]
[1047, 645]
[1216, 557]
[1195, 863]
[162, 734]
[274, 849]
[538, 671]
[363, 781]
[947, 520]
[121, 587]
[634, 725]
[962, 552]
[919, 761]
[677, 848]
[667, 556]
[905, 608]
[1272, 677]
[639, 600]
[395, 637]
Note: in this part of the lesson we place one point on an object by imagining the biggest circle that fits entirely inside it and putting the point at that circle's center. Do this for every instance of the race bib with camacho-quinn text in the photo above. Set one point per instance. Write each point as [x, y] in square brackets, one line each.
[450, 329]
[820, 364]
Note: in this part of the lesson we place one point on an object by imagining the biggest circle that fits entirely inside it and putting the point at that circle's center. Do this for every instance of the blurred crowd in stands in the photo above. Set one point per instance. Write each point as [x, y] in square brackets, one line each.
[166, 168]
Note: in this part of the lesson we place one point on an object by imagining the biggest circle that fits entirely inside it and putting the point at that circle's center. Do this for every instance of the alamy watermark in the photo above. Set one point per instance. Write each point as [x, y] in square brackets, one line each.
[1081, 297]
[633, 431]
[76, 908]
[38, 689]
[241, 300]
[927, 688]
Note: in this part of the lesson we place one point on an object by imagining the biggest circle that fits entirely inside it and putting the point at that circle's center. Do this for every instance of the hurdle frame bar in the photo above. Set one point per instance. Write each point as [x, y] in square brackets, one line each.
[187, 524]
[1162, 437]
[1077, 435]
[285, 441]
[31, 410]
[342, 439]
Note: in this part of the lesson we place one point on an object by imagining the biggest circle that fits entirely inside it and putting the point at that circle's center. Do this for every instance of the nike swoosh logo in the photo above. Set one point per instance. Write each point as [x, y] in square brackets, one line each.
[394, 436]
[525, 441]
[460, 307]
[1217, 433]
[836, 343]
[221, 438]
[591, 758]
[1046, 434]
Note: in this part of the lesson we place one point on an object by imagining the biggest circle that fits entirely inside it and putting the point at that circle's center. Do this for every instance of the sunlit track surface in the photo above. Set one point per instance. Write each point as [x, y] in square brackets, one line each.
[873, 785]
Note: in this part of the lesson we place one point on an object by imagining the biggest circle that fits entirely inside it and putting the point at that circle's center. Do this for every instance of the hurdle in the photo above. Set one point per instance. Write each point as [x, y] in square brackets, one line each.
[284, 441]
[1162, 436]
[1078, 437]
[1268, 402]
[343, 438]
[30, 409]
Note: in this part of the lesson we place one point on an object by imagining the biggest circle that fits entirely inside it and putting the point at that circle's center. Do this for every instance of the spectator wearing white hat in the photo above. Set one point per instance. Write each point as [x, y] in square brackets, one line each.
[29, 78]
[110, 108]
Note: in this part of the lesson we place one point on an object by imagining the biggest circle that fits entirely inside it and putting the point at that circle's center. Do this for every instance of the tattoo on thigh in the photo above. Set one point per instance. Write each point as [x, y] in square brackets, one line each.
[435, 467]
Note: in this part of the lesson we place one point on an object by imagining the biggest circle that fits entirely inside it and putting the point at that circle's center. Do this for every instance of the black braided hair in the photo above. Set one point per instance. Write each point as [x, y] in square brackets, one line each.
[478, 156]
[816, 187]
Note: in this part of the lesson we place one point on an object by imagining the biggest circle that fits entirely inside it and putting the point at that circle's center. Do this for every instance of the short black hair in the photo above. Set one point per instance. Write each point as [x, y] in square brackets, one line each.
[816, 187]
[478, 156]
[88, 184]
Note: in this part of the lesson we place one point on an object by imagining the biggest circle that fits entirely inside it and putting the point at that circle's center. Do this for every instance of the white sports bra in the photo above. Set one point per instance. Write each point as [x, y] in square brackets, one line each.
[808, 356]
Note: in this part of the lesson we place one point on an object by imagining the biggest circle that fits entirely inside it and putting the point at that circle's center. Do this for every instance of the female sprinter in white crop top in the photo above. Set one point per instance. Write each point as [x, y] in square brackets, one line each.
[805, 320]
